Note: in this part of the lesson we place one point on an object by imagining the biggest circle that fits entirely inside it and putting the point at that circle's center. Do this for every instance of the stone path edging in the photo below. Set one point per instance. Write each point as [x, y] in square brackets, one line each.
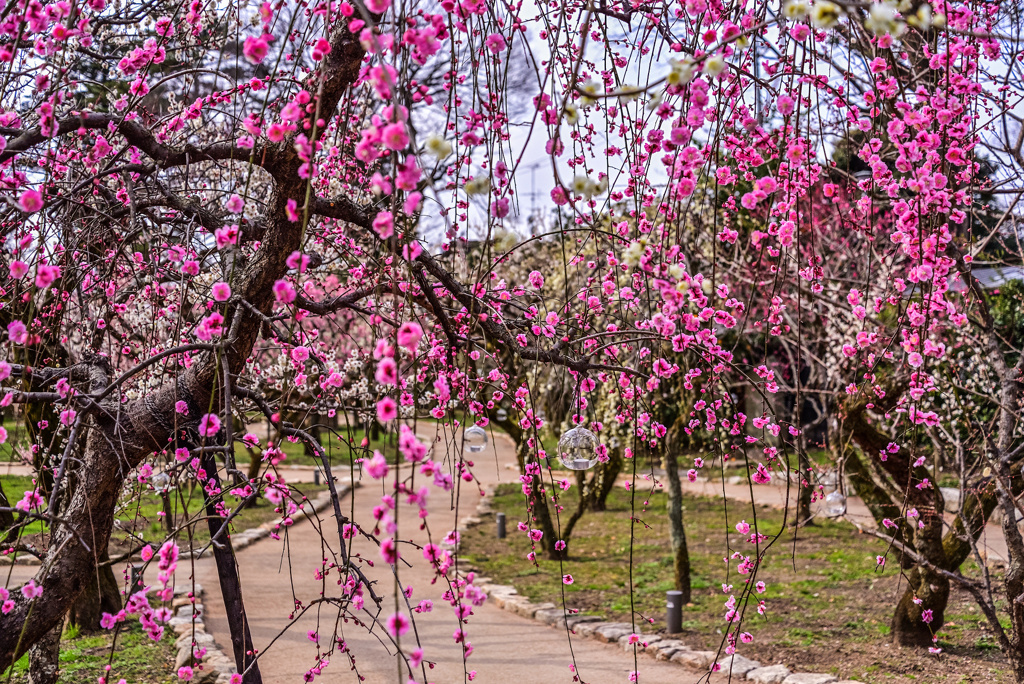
[658, 646]
[213, 666]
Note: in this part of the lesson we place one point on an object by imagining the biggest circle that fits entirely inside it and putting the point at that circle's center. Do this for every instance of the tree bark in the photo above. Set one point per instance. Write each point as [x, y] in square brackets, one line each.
[44, 658]
[123, 434]
[908, 627]
[805, 487]
[6, 517]
[540, 513]
[101, 595]
[604, 479]
[677, 532]
[925, 539]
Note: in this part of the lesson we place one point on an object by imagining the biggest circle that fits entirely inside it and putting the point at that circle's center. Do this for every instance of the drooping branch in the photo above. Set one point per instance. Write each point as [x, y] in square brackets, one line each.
[118, 442]
[165, 156]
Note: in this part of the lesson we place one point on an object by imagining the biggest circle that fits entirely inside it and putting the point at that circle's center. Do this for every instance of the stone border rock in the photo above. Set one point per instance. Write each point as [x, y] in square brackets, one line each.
[658, 646]
[187, 623]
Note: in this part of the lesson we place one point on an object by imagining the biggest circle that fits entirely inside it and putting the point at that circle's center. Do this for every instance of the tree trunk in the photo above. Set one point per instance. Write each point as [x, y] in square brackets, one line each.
[255, 461]
[805, 488]
[604, 480]
[122, 434]
[101, 595]
[542, 518]
[6, 517]
[538, 504]
[1016, 659]
[677, 533]
[908, 627]
[946, 551]
[44, 657]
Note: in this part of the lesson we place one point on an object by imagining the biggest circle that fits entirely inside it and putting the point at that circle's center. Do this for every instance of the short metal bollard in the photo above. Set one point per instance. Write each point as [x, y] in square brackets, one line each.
[316, 477]
[501, 525]
[674, 614]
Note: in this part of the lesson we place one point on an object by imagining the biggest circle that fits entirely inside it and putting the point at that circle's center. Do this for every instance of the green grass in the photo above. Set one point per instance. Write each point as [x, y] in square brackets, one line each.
[600, 549]
[825, 594]
[83, 657]
[15, 447]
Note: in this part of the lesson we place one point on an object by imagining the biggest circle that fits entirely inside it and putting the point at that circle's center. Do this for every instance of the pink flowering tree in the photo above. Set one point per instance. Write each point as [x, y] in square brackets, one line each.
[209, 210]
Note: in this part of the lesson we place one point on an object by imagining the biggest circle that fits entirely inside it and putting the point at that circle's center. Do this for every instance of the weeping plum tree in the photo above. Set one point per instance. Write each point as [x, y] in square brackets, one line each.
[214, 212]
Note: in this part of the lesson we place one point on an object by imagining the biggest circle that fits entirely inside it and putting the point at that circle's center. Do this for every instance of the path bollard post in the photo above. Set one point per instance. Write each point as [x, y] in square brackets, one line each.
[674, 612]
[501, 525]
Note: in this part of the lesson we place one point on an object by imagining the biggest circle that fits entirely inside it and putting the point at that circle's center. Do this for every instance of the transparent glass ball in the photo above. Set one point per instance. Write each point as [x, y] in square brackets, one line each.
[475, 439]
[577, 449]
[501, 414]
[161, 482]
[835, 504]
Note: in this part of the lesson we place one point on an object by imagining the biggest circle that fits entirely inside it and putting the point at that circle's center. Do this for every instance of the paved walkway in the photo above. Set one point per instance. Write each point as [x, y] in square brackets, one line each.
[507, 648]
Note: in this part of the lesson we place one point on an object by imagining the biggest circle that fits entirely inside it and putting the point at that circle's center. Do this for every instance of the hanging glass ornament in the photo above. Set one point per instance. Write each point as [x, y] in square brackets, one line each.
[835, 504]
[577, 449]
[475, 439]
[161, 482]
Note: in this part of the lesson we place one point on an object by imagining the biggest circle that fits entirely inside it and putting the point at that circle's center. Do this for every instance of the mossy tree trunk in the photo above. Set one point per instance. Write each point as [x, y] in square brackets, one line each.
[677, 532]
[886, 487]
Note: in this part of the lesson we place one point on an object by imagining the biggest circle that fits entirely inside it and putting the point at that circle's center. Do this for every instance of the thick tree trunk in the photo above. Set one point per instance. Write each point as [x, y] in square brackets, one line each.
[101, 595]
[255, 462]
[123, 434]
[6, 517]
[926, 540]
[72, 555]
[908, 626]
[677, 533]
[44, 658]
[542, 518]
[539, 513]
[915, 623]
[1016, 659]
